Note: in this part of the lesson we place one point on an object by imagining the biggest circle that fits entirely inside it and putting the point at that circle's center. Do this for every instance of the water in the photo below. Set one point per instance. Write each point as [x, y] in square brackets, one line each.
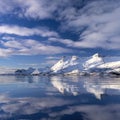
[59, 98]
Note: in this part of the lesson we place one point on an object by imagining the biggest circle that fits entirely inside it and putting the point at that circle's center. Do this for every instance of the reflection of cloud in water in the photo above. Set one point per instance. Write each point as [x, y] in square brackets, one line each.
[92, 112]
[53, 106]
[72, 85]
[28, 106]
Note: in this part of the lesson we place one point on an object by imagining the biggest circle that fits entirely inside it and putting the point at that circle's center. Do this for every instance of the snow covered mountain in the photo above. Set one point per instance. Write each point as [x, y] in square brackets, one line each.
[75, 65]
[93, 64]
[111, 67]
[35, 72]
[67, 65]
[99, 64]
[29, 71]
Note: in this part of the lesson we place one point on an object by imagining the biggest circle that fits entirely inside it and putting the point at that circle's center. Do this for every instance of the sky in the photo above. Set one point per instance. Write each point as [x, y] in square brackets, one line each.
[36, 33]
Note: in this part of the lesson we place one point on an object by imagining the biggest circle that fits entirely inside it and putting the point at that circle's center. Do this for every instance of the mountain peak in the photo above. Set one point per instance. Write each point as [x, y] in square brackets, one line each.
[93, 61]
[66, 64]
[96, 55]
[73, 58]
[74, 66]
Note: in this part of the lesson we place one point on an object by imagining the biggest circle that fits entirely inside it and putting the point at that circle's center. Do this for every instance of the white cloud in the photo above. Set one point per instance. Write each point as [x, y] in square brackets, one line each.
[52, 58]
[6, 6]
[6, 52]
[13, 44]
[6, 70]
[67, 42]
[24, 31]
[29, 47]
[37, 9]
[102, 20]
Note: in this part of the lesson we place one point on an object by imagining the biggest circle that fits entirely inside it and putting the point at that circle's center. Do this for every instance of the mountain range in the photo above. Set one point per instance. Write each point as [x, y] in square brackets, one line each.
[74, 65]
[95, 64]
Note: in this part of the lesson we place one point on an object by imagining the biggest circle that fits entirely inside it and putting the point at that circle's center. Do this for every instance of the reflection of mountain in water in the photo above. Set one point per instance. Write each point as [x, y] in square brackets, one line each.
[38, 98]
[96, 86]
[65, 87]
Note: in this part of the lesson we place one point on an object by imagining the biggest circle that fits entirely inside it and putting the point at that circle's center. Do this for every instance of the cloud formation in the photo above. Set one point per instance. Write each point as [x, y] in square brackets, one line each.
[24, 31]
[95, 22]
[28, 47]
[29, 106]
[16, 46]
[101, 22]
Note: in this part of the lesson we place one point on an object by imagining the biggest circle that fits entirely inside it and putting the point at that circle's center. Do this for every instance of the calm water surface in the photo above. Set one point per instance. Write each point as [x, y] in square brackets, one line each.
[59, 98]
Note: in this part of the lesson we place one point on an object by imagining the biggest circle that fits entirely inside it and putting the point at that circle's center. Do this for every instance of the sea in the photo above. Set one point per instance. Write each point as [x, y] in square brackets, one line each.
[59, 98]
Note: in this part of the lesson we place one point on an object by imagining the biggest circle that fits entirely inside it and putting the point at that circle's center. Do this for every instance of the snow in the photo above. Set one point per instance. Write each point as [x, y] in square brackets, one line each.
[66, 65]
[74, 72]
[59, 65]
[111, 65]
[35, 72]
[93, 62]
[94, 65]
[74, 65]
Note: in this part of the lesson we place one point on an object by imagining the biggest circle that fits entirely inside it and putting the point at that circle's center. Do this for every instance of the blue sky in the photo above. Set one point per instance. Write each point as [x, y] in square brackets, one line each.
[36, 33]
